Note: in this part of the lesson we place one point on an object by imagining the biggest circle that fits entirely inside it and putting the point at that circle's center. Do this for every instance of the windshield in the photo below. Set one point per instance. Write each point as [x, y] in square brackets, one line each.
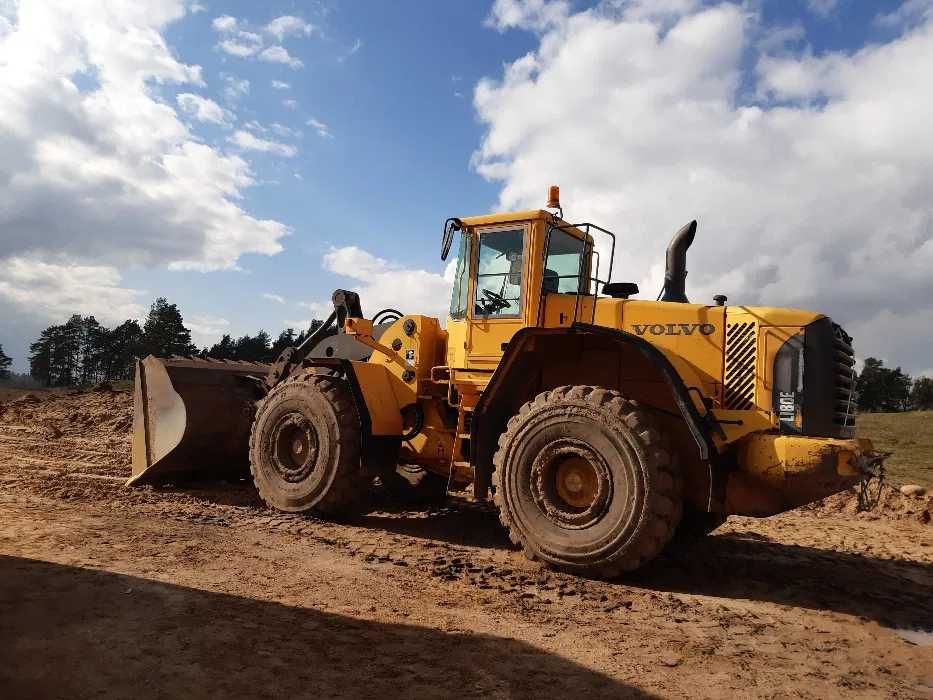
[499, 273]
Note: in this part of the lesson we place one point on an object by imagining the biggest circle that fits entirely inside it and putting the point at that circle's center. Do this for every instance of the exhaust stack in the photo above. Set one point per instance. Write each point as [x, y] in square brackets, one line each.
[675, 274]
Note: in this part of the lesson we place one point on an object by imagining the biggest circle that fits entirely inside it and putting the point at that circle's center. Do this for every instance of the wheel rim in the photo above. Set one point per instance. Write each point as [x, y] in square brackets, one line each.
[296, 447]
[571, 483]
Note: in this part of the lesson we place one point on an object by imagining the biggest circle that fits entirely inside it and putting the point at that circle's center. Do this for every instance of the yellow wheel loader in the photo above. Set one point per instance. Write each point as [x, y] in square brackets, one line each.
[599, 424]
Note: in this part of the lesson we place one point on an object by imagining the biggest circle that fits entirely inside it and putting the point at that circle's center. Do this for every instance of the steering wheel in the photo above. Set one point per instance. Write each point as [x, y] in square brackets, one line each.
[494, 302]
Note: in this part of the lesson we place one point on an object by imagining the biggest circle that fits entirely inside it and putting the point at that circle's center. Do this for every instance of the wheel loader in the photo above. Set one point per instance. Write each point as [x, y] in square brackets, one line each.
[601, 425]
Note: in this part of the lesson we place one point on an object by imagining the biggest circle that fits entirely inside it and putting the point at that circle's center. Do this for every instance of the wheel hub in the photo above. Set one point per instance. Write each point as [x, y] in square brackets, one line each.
[576, 481]
[295, 449]
[571, 483]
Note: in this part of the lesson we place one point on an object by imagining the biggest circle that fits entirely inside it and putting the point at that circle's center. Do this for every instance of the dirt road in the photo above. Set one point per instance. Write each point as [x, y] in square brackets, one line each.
[112, 591]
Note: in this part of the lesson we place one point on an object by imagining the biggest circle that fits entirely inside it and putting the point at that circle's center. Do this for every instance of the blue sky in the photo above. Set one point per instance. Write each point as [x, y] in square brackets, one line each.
[390, 117]
[403, 129]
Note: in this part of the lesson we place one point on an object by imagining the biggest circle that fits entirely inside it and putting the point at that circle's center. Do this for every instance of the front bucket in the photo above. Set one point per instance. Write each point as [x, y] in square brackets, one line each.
[192, 417]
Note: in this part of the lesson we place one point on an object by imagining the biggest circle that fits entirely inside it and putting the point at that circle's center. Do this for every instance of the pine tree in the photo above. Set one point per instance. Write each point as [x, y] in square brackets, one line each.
[881, 388]
[124, 344]
[253, 348]
[5, 363]
[40, 356]
[921, 396]
[164, 332]
[224, 350]
[286, 339]
[93, 350]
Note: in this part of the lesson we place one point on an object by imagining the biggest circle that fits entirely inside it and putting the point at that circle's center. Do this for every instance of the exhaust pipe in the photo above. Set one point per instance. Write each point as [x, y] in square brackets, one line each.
[675, 274]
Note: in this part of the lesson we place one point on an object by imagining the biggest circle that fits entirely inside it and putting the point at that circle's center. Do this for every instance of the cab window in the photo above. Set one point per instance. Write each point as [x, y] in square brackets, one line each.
[461, 290]
[499, 273]
[564, 265]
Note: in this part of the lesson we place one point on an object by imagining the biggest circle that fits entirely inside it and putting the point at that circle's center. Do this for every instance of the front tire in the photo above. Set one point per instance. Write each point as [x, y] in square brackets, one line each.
[305, 447]
[584, 482]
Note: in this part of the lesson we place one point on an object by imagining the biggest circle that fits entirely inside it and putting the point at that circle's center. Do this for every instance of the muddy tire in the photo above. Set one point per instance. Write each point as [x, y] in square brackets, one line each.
[585, 483]
[305, 448]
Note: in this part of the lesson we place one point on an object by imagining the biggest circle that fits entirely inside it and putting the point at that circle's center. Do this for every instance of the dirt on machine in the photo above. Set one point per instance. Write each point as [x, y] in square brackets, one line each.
[599, 424]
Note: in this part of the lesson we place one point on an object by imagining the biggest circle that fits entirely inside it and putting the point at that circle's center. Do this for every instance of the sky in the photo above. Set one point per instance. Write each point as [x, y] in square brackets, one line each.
[245, 159]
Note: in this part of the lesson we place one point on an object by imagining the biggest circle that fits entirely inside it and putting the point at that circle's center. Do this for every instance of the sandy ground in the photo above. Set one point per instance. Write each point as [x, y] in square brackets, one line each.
[109, 591]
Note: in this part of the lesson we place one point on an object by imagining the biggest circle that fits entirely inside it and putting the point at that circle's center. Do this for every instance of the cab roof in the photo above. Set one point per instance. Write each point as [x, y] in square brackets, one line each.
[505, 217]
[508, 217]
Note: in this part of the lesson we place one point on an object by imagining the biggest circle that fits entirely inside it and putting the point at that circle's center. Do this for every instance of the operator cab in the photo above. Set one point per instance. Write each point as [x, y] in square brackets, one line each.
[514, 270]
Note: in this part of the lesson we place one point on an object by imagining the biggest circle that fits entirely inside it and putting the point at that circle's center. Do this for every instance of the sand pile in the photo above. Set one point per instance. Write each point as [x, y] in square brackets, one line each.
[888, 503]
[99, 413]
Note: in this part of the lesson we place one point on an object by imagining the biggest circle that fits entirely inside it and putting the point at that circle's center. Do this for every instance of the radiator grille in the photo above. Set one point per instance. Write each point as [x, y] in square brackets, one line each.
[739, 381]
[845, 397]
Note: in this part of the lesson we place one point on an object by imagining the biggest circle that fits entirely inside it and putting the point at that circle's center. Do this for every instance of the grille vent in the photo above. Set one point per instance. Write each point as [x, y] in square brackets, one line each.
[739, 382]
[845, 398]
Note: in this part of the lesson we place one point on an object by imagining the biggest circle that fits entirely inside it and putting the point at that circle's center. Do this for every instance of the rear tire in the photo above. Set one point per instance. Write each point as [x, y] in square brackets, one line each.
[305, 447]
[584, 482]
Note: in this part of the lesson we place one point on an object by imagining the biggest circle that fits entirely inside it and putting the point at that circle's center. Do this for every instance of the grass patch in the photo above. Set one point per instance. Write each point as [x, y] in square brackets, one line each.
[909, 436]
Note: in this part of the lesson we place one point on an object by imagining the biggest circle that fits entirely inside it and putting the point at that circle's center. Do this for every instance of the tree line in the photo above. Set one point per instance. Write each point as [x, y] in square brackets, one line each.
[889, 390]
[83, 351]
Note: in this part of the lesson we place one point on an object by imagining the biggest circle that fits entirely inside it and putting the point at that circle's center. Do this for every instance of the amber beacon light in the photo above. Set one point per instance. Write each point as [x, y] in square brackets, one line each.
[553, 197]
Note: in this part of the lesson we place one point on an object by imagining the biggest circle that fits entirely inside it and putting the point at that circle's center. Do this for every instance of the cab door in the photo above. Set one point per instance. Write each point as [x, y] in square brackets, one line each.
[500, 301]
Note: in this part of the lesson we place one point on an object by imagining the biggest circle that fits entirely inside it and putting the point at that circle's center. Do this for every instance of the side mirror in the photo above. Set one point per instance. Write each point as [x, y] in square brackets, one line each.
[451, 226]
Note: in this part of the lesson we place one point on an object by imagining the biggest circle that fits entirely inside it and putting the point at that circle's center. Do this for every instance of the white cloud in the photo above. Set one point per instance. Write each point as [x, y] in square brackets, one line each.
[291, 104]
[383, 284]
[536, 15]
[811, 190]
[277, 298]
[321, 128]
[225, 24]
[822, 7]
[320, 309]
[909, 13]
[202, 109]
[303, 324]
[237, 40]
[284, 131]
[238, 47]
[279, 54]
[280, 85]
[196, 7]
[357, 45]
[288, 25]
[249, 142]
[56, 291]
[205, 329]
[235, 88]
[108, 172]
